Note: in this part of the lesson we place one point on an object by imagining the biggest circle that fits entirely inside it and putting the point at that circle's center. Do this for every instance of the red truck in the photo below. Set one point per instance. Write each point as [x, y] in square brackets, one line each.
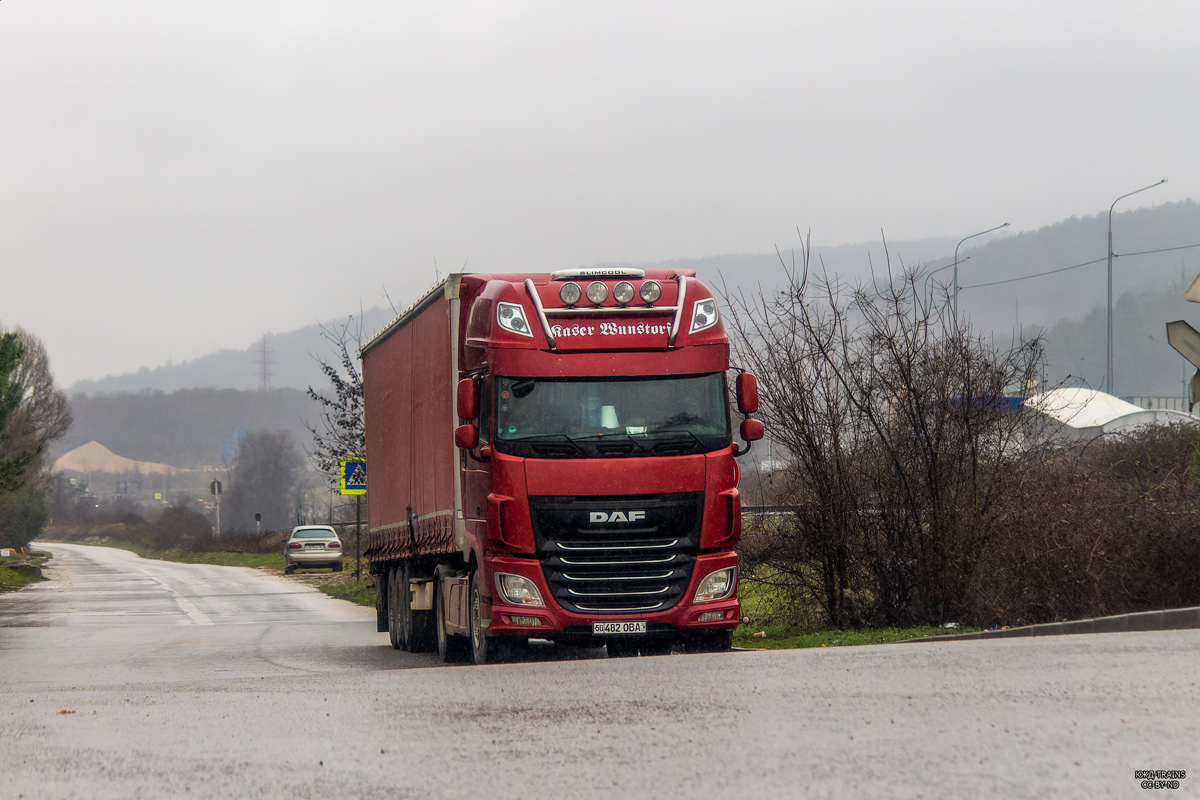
[550, 457]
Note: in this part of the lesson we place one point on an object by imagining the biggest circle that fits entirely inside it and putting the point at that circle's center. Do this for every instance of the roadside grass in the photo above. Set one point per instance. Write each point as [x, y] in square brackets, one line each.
[223, 558]
[780, 638]
[361, 593]
[789, 624]
[22, 570]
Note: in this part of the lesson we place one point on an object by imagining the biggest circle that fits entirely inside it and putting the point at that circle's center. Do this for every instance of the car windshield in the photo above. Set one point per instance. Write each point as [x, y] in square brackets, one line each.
[619, 417]
[313, 533]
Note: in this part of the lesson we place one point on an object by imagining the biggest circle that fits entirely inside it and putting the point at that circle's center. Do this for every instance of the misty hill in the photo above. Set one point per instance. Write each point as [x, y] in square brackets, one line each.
[290, 358]
[998, 275]
[1145, 364]
[188, 428]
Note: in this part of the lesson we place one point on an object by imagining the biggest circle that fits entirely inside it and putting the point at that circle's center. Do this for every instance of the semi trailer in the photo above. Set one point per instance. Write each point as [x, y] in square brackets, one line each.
[551, 456]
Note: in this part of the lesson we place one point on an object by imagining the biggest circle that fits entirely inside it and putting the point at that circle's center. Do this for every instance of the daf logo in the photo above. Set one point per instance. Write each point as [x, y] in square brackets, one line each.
[617, 516]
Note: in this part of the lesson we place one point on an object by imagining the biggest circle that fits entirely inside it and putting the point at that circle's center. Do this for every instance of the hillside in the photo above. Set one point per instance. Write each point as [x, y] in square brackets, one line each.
[187, 429]
[1001, 290]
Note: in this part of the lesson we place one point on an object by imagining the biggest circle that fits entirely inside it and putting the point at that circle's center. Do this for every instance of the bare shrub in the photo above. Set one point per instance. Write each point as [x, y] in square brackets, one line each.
[900, 442]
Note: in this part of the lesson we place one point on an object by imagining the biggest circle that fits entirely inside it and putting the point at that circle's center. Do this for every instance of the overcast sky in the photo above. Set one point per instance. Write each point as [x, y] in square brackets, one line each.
[177, 178]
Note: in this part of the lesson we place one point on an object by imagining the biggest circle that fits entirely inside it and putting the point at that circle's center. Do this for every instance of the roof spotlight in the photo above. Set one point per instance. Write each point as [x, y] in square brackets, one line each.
[570, 293]
[623, 292]
[597, 292]
[650, 292]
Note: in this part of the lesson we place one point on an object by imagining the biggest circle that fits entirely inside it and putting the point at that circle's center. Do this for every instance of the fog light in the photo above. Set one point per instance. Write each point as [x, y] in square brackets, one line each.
[518, 591]
[711, 616]
[716, 586]
[528, 622]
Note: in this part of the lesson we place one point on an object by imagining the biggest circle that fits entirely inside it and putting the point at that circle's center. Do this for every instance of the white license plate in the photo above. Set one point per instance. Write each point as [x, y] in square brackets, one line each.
[609, 628]
[314, 547]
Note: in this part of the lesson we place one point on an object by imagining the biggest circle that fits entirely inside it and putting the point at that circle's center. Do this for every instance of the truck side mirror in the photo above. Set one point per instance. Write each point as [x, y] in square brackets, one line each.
[467, 400]
[467, 436]
[752, 430]
[747, 393]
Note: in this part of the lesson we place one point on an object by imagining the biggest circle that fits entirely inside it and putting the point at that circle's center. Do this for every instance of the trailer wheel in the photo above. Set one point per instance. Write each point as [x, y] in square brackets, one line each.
[381, 612]
[393, 616]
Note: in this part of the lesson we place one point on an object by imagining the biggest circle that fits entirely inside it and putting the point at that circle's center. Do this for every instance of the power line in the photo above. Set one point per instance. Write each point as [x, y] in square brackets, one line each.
[1076, 266]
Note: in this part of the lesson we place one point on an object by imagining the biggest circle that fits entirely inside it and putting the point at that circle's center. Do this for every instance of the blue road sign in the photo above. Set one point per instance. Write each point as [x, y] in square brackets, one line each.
[352, 477]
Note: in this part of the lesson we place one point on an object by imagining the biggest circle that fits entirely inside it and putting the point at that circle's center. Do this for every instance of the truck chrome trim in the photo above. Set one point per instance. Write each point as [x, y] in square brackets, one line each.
[597, 272]
[579, 548]
[659, 576]
[678, 310]
[622, 610]
[541, 312]
[663, 590]
[639, 310]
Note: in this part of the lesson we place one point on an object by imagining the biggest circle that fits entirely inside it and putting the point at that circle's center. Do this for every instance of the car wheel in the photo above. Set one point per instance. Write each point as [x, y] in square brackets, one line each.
[337, 567]
[288, 569]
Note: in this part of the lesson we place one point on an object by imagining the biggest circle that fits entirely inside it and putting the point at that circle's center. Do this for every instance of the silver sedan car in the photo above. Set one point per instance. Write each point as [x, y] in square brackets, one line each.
[312, 546]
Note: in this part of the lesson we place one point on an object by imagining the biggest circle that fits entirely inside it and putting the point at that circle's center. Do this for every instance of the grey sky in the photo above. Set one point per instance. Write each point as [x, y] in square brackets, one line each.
[176, 178]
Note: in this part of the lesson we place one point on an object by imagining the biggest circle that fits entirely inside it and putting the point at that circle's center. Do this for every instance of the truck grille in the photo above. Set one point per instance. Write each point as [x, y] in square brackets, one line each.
[617, 555]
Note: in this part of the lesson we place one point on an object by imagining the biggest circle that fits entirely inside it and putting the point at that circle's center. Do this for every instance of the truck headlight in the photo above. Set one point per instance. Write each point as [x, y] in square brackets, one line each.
[518, 591]
[512, 318]
[704, 315]
[716, 585]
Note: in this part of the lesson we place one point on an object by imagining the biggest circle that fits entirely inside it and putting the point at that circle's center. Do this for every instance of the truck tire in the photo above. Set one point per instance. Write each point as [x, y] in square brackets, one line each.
[393, 583]
[449, 647]
[483, 647]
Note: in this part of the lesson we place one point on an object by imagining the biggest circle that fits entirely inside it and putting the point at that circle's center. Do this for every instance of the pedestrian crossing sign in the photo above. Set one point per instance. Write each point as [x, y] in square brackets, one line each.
[352, 475]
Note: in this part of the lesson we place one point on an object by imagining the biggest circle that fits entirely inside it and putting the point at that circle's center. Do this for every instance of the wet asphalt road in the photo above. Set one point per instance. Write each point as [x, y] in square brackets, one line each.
[127, 678]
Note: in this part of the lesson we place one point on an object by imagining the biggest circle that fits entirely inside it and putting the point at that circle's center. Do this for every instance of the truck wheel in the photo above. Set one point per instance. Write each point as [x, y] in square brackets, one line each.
[393, 584]
[449, 647]
[710, 642]
[484, 648]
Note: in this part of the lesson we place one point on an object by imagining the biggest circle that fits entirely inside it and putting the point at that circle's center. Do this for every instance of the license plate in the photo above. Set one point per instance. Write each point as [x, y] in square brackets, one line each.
[609, 628]
[314, 547]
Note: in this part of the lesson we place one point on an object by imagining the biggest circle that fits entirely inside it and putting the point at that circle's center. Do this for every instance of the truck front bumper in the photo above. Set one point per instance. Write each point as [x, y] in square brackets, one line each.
[551, 621]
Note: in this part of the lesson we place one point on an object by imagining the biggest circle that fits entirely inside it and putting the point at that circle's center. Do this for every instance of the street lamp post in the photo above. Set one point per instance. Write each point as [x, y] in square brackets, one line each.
[1109, 372]
[954, 307]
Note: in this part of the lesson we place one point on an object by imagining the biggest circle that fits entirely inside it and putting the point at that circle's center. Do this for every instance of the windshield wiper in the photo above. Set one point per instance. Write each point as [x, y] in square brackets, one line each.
[547, 442]
[606, 445]
[675, 442]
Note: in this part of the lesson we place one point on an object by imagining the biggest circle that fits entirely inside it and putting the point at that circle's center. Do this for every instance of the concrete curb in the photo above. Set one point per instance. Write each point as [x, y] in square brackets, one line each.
[1169, 620]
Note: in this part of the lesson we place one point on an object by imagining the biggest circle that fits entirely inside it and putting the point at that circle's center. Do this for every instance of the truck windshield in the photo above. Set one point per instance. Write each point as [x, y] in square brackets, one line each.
[611, 417]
